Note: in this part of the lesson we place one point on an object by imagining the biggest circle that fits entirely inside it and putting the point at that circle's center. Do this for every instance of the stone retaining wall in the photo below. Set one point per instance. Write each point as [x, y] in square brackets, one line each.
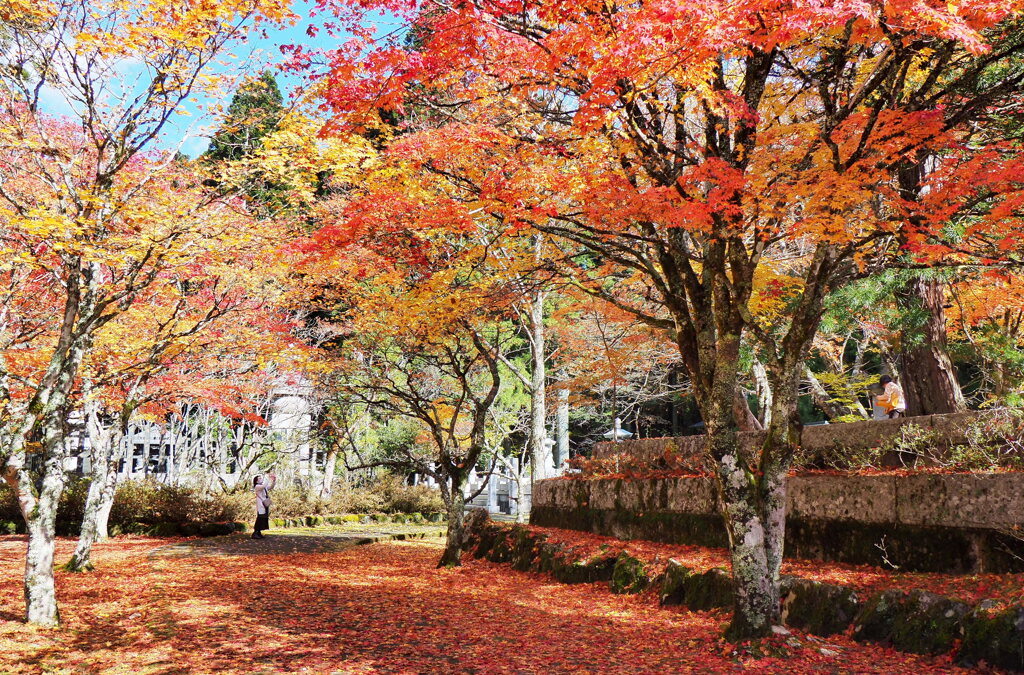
[921, 522]
[950, 429]
[915, 621]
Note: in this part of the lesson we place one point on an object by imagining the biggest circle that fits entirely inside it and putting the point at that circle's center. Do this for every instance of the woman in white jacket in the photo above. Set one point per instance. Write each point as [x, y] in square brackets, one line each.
[262, 490]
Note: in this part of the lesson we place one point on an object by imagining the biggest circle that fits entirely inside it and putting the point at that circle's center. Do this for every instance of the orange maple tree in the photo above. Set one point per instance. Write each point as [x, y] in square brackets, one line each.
[696, 142]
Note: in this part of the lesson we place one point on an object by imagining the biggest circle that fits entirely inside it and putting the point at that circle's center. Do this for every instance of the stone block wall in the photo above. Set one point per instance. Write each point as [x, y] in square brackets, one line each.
[950, 430]
[921, 522]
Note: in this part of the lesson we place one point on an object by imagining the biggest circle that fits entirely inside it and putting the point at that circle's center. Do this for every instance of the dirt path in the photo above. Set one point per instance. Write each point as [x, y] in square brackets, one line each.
[297, 540]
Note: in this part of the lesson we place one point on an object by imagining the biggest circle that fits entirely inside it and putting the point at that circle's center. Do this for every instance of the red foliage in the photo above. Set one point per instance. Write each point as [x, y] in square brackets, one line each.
[382, 608]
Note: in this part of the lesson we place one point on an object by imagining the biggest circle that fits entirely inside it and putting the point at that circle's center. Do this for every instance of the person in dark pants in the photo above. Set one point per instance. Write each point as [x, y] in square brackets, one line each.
[262, 490]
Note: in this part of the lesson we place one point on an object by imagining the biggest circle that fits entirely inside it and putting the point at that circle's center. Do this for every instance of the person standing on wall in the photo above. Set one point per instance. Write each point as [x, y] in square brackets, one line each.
[892, 401]
[262, 490]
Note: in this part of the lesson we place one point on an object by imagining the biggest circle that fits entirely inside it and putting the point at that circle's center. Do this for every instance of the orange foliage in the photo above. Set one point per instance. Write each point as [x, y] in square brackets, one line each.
[384, 609]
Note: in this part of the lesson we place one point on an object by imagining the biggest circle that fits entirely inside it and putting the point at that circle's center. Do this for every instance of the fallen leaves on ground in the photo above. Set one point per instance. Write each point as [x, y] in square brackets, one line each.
[382, 608]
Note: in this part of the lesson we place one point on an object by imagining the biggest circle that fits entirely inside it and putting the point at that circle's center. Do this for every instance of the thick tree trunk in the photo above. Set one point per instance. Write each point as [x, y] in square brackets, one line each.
[39, 509]
[780, 446]
[756, 598]
[754, 499]
[927, 376]
[452, 555]
[40, 591]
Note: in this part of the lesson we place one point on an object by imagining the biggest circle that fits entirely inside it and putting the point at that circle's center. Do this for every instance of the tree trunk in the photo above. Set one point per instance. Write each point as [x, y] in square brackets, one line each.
[540, 459]
[764, 394]
[39, 509]
[928, 379]
[452, 555]
[780, 446]
[40, 591]
[105, 446]
[327, 486]
[107, 499]
[756, 598]
[745, 419]
[562, 429]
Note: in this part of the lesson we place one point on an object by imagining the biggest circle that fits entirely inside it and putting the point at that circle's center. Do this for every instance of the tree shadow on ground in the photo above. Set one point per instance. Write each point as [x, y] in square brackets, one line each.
[232, 606]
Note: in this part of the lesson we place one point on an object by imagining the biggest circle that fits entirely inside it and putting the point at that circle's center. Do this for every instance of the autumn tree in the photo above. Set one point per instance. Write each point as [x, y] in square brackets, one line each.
[986, 326]
[76, 201]
[422, 314]
[211, 301]
[448, 383]
[694, 144]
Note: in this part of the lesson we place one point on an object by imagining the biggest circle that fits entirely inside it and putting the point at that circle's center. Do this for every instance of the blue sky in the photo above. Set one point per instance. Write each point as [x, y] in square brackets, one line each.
[191, 132]
[260, 53]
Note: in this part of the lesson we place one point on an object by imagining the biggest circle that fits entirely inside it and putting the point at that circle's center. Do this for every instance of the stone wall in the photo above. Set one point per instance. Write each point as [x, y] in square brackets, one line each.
[951, 429]
[918, 522]
[917, 621]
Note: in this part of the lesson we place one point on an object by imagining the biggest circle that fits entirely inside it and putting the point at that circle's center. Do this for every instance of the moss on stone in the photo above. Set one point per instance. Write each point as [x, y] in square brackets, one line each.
[997, 639]
[501, 551]
[547, 555]
[585, 571]
[629, 575]
[524, 547]
[928, 623]
[215, 529]
[821, 609]
[673, 583]
[876, 620]
[710, 590]
[163, 530]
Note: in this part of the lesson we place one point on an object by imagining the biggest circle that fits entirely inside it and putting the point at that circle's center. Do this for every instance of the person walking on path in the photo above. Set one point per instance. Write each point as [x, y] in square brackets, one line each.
[892, 401]
[262, 490]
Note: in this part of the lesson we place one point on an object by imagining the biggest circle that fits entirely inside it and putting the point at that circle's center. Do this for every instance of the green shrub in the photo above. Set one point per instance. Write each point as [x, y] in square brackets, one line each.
[140, 505]
[69, 509]
[151, 502]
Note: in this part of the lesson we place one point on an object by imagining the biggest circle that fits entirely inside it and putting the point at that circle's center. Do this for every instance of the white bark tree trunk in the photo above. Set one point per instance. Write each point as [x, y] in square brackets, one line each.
[562, 429]
[540, 454]
[106, 444]
[39, 509]
[330, 462]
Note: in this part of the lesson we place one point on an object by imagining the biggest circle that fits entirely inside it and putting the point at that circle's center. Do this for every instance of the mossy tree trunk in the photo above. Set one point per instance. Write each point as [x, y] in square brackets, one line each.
[754, 601]
[39, 510]
[36, 470]
[455, 499]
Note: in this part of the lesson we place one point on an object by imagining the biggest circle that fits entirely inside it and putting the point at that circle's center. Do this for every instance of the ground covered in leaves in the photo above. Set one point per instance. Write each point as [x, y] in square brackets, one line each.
[379, 608]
